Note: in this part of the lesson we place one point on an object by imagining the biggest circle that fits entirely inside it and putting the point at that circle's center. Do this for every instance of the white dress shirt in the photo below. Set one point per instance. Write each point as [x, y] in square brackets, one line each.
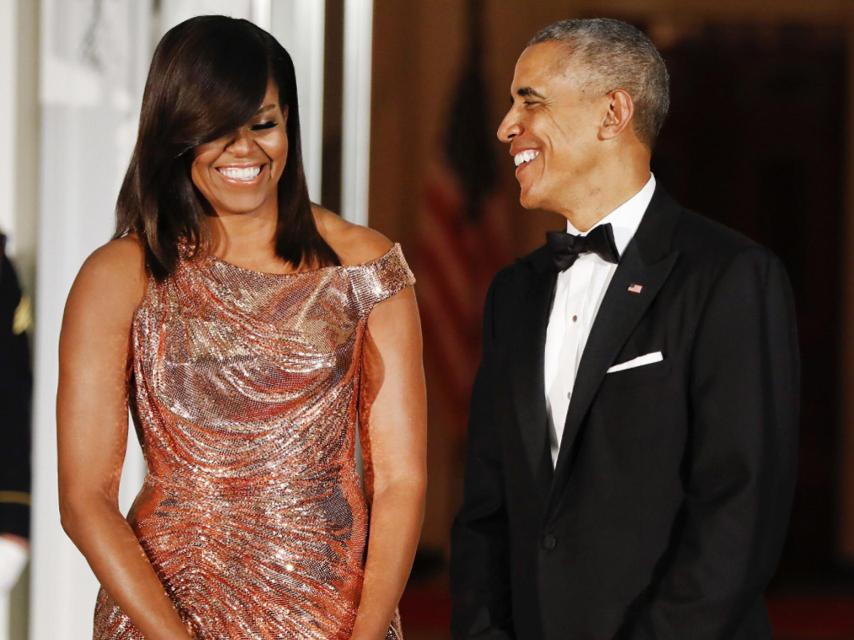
[578, 293]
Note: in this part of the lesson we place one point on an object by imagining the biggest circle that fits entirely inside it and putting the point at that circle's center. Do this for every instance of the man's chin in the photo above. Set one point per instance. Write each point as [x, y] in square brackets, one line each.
[528, 201]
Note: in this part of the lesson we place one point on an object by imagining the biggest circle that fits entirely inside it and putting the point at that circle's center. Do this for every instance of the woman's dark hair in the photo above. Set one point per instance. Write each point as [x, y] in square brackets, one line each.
[208, 77]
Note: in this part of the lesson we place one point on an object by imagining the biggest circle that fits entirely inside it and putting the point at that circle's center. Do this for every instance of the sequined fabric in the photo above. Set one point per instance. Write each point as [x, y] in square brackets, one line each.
[245, 394]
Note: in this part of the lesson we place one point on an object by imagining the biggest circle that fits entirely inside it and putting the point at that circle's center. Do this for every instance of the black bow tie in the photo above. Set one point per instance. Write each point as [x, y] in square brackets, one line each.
[565, 247]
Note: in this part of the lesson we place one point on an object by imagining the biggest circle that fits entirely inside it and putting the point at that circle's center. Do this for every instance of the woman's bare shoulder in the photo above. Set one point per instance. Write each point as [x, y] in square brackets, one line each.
[353, 243]
[113, 275]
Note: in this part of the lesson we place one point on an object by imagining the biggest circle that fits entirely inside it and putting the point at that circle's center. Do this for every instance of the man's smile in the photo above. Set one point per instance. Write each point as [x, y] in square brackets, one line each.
[524, 157]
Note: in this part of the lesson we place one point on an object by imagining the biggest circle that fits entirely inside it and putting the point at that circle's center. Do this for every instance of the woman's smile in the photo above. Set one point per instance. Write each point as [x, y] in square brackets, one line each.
[243, 175]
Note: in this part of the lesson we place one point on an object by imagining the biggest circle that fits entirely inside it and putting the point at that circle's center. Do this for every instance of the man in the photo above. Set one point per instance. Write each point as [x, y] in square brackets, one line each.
[15, 390]
[632, 439]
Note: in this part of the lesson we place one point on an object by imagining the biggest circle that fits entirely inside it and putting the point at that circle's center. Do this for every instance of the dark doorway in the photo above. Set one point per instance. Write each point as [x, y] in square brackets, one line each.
[756, 140]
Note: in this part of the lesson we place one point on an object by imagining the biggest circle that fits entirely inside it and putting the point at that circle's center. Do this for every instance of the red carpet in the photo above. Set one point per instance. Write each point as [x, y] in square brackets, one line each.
[426, 612]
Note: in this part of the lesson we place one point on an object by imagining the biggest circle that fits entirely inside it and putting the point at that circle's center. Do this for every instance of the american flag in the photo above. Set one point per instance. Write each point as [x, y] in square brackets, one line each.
[463, 238]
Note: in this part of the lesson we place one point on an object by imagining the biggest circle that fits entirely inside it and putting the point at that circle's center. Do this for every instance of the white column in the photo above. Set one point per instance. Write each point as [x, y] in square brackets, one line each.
[173, 12]
[356, 146]
[91, 67]
[4, 616]
[299, 25]
[18, 131]
[8, 66]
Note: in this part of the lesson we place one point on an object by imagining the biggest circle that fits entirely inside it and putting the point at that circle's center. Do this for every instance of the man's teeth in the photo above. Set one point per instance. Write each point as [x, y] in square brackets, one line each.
[242, 173]
[525, 156]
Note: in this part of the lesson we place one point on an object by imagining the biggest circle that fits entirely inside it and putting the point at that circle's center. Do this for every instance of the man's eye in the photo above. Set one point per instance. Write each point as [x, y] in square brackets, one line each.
[530, 103]
[263, 125]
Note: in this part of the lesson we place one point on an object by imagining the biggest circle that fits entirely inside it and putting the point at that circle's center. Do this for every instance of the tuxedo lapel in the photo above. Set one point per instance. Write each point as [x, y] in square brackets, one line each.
[528, 383]
[643, 269]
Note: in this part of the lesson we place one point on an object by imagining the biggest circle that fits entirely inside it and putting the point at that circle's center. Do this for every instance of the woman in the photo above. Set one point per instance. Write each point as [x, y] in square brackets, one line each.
[246, 329]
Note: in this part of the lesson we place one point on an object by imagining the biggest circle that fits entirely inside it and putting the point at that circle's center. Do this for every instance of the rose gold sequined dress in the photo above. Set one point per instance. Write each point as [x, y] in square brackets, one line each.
[245, 396]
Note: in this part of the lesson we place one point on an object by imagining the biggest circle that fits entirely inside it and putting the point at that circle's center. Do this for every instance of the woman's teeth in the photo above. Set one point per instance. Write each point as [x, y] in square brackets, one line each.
[525, 156]
[244, 174]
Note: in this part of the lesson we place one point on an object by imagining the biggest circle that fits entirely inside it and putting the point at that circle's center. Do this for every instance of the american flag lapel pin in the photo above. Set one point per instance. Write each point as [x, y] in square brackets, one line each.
[635, 288]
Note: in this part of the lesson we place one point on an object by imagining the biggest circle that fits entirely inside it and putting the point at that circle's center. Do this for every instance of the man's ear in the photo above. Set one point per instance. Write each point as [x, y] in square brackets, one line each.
[621, 109]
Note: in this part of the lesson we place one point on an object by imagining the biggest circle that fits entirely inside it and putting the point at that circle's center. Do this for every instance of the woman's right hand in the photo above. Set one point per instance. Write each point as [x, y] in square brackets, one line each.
[92, 427]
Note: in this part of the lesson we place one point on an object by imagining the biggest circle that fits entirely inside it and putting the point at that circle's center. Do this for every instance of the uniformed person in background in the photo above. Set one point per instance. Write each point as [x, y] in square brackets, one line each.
[15, 399]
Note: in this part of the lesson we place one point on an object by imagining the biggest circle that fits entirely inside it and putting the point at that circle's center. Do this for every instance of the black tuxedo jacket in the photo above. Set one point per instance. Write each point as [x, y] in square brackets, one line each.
[665, 515]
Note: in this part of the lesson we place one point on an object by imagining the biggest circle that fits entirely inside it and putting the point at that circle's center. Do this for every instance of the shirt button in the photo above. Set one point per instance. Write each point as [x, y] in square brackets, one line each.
[549, 542]
[569, 395]
[575, 318]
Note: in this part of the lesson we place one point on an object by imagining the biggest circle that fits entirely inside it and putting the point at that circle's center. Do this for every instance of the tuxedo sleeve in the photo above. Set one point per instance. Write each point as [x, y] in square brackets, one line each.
[480, 581]
[740, 466]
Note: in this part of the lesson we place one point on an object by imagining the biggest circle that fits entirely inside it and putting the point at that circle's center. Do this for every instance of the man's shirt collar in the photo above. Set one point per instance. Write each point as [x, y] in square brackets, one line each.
[626, 218]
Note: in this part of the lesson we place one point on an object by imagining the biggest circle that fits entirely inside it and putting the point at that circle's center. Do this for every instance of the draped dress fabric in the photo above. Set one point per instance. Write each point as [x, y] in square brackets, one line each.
[245, 395]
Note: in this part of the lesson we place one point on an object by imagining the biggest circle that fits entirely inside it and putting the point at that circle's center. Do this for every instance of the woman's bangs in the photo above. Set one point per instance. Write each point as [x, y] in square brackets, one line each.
[230, 80]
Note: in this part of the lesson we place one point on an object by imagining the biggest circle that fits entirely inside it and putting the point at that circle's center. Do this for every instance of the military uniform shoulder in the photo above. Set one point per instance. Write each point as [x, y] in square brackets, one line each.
[4, 259]
[10, 287]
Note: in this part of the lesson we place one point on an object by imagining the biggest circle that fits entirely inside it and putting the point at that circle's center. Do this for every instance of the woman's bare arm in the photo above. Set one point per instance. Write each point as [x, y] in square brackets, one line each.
[396, 439]
[92, 431]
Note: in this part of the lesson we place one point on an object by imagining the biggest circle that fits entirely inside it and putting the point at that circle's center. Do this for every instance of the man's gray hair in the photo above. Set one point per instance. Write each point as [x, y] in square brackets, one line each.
[618, 56]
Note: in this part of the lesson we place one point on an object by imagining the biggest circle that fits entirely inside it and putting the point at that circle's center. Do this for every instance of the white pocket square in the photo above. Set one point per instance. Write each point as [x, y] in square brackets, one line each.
[640, 361]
